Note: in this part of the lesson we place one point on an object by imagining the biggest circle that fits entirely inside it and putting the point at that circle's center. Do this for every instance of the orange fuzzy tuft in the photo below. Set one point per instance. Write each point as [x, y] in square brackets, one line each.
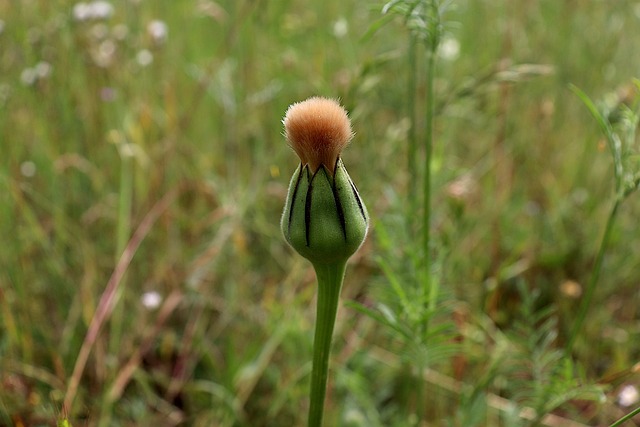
[317, 129]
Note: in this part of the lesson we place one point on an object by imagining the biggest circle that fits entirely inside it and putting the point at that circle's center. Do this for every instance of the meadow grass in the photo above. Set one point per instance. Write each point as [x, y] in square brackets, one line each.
[115, 136]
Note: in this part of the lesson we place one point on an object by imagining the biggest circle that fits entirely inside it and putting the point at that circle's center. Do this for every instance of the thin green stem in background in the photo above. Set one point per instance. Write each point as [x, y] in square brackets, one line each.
[124, 204]
[123, 234]
[619, 151]
[330, 278]
[122, 237]
[593, 280]
[426, 188]
[412, 152]
[626, 418]
[429, 292]
[428, 147]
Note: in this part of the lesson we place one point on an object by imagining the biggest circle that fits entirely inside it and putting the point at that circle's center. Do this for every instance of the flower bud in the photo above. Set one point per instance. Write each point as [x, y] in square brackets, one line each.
[324, 219]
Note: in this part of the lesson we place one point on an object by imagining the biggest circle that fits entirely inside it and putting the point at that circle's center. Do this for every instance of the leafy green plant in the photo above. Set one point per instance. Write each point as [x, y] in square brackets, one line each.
[618, 123]
[519, 376]
[413, 318]
[537, 371]
[418, 325]
[425, 20]
[618, 120]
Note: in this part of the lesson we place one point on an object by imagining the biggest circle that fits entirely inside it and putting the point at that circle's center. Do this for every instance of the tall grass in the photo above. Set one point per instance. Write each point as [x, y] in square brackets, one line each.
[227, 343]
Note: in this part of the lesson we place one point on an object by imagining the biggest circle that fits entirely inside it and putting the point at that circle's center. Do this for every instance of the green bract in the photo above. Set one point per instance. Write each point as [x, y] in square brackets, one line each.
[324, 219]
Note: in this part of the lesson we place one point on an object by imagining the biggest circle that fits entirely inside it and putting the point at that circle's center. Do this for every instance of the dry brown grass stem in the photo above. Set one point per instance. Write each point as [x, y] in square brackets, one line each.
[127, 371]
[107, 300]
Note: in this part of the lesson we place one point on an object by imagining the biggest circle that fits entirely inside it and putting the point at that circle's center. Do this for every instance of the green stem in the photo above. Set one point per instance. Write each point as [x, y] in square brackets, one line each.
[124, 204]
[122, 238]
[413, 142]
[593, 280]
[426, 214]
[330, 278]
[428, 292]
[626, 418]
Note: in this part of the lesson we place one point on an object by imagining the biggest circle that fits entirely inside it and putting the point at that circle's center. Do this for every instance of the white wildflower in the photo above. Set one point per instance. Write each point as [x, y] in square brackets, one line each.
[449, 49]
[144, 57]
[94, 10]
[42, 69]
[101, 9]
[628, 396]
[340, 28]
[103, 56]
[151, 300]
[28, 169]
[28, 76]
[158, 31]
[81, 11]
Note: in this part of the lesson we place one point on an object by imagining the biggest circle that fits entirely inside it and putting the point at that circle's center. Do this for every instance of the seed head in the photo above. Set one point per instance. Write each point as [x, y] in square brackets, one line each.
[317, 129]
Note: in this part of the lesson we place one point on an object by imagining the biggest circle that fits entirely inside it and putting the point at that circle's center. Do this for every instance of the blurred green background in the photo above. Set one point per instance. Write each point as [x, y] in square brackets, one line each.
[165, 116]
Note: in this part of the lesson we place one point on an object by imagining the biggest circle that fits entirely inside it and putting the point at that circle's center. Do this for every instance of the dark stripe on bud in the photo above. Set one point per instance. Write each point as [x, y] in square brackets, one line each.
[336, 197]
[357, 196]
[293, 198]
[307, 207]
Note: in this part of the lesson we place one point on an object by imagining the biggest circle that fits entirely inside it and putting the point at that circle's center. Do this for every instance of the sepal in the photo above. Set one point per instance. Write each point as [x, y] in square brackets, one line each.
[324, 218]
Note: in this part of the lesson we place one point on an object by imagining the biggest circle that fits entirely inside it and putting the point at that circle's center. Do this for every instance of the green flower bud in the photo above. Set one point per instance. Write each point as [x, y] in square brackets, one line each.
[324, 219]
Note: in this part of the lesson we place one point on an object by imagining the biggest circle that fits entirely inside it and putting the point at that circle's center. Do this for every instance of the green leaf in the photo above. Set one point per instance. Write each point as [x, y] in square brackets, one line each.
[383, 318]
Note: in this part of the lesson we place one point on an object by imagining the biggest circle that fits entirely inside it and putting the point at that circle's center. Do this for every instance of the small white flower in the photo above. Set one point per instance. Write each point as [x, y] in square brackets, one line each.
[101, 9]
[103, 56]
[628, 396]
[144, 57]
[449, 49]
[81, 11]
[151, 300]
[95, 10]
[42, 69]
[28, 76]
[28, 169]
[158, 31]
[340, 28]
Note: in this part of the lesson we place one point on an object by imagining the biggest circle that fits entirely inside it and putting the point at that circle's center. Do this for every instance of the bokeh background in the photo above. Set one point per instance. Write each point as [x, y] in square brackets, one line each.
[155, 126]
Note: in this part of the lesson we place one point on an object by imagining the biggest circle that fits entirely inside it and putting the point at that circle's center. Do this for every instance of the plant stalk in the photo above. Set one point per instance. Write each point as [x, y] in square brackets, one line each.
[412, 152]
[593, 280]
[330, 278]
[428, 292]
[123, 234]
[626, 418]
[428, 142]
[122, 237]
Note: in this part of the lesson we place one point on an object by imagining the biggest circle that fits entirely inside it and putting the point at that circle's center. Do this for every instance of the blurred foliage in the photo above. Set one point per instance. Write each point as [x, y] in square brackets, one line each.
[189, 95]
